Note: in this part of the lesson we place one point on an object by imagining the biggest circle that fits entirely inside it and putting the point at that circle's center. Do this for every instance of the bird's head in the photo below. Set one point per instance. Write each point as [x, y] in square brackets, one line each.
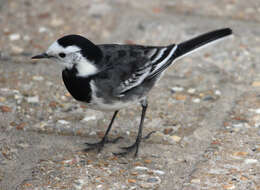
[74, 51]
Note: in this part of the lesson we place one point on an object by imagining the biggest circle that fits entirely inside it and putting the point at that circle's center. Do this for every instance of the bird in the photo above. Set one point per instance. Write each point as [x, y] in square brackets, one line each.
[110, 77]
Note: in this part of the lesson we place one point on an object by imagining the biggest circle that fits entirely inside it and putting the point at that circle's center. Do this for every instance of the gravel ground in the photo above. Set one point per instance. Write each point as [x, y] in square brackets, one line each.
[206, 108]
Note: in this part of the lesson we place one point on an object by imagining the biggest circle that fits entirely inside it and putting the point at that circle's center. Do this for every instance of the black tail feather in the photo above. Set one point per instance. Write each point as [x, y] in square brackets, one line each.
[190, 45]
[195, 43]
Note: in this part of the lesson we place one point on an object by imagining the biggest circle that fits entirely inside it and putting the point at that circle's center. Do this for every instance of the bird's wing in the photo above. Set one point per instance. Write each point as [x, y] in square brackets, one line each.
[162, 59]
[139, 63]
[134, 64]
[134, 79]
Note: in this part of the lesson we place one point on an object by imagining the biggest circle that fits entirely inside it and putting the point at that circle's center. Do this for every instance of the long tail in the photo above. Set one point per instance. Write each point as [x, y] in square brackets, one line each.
[200, 41]
[184, 48]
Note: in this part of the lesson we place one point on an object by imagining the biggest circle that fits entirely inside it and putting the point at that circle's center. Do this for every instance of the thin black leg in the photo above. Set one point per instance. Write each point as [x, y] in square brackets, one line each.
[99, 145]
[139, 135]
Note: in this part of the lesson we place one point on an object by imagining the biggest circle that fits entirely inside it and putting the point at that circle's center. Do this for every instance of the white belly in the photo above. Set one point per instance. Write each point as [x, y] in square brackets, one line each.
[100, 105]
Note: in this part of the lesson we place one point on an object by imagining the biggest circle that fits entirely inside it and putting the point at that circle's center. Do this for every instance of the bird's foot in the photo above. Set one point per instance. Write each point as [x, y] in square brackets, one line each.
[129, 149]
[148, 135]
[99, 145]
[135, 146]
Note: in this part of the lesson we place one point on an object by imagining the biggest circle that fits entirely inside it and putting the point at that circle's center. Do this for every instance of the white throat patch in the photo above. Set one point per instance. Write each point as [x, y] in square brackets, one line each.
[85, 68]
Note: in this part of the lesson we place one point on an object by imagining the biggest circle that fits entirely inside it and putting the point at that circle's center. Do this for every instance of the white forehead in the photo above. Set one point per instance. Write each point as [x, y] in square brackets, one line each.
[56, 48]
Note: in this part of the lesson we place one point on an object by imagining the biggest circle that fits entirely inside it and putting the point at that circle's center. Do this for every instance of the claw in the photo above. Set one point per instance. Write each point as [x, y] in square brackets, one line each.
[128, 149]
[148, 135]
[114, 140]
[120, 153]
[99, 145]
[88, 149]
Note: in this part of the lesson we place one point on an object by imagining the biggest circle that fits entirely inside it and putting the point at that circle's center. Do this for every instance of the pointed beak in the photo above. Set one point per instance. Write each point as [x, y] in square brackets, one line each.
[41, 56]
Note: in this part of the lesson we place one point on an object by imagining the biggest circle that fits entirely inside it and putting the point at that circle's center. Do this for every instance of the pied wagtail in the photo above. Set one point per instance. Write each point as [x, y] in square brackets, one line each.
[112, 76]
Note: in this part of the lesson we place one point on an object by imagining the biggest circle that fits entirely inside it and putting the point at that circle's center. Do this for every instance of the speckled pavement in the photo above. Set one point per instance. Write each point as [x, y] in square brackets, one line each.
[206, 108]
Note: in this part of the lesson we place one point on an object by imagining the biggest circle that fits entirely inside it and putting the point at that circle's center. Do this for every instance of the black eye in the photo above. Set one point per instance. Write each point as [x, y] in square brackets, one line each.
[62, 55]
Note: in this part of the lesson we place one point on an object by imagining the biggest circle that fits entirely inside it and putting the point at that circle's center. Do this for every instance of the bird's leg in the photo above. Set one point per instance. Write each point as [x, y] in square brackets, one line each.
[135, 146]
[99, 145]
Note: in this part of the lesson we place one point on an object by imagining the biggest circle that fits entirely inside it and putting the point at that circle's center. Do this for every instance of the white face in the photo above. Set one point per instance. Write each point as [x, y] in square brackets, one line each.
[64, 56]
[70, 56]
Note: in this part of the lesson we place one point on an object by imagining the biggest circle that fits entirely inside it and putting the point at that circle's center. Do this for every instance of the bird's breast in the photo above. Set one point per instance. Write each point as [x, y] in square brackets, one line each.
[78, 87]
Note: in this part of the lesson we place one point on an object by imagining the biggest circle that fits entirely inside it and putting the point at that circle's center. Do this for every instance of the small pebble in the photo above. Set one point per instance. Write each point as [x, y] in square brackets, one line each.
[78, 184]
[17, 49]
[229, 186]
[141, 168]
[64, 98]
[158, 172]
[63, 122]
[256, 84]
[180, 97]
[257, 111]
[236, 129]
[53, 104]
[243, 178]
[238, 125]
[196, 180]
[23, 145]
[18, 96]
[240, 153]
[217, 171]
[191, 90]
[147, 161]
[196, 100]
[5, 109]
[21, 126]
[88, 118]
[131, 181]
[167, 131]
[48, 83]
[26, 38]
[14, 37]
[4, 56]
[146, 185]
[33, 99]
[208, 98]
[6, 30]
[93, 133]
[177, 89]
[217, 92]
[56, 22]
[159, 137]
[251, 161]
[134, 173]
[38, 78]
[42, 29]
[152, 180]
[40, 125]
[2, 99]
[176, 138]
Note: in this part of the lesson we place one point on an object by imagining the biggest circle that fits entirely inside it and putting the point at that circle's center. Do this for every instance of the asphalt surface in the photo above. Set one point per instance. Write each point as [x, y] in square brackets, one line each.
[206, 108]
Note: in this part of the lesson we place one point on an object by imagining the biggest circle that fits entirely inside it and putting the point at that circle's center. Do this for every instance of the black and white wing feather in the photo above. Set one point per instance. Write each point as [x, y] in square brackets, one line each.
[134, 64]
[162, 60]
[153, 58]
[136, 78]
